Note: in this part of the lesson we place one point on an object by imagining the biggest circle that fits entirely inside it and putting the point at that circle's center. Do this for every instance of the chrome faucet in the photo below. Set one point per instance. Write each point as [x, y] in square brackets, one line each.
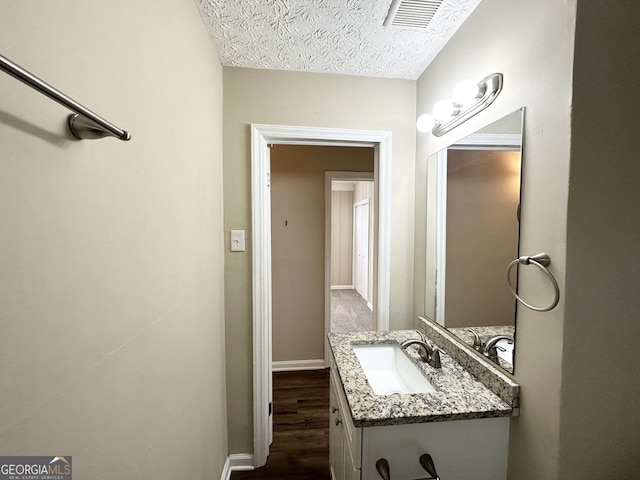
[477, 343]
[491, 347]
[428, 354]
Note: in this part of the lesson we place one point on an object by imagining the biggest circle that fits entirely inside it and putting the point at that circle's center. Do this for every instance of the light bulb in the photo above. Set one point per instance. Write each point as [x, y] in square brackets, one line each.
[443, 110]
[425, 122]
[465, 91]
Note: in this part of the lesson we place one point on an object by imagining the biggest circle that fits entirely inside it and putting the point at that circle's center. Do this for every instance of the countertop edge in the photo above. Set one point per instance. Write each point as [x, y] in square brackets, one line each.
[494, 378]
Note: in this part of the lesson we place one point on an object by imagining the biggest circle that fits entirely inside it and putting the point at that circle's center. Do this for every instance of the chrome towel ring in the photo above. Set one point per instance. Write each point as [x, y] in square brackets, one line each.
[542, 261]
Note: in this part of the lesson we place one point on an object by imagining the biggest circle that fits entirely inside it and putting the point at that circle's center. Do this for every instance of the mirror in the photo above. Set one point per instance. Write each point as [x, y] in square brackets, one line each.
[473, 199]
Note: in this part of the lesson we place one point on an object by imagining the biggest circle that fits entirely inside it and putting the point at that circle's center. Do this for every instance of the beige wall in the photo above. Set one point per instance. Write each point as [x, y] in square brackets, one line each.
[342, 246]
[531, 43]
[297, 243]
[599, 434]
[319, 100]
[111, 283]
[483, 188]
[341, 238]
[575, 364]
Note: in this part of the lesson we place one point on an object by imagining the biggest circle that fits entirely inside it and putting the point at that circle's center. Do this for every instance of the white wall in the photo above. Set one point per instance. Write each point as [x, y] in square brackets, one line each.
[111, 286]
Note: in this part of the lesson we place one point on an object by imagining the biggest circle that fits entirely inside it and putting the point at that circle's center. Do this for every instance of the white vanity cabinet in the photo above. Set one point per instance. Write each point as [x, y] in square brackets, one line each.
[344, 438]
[461, 449]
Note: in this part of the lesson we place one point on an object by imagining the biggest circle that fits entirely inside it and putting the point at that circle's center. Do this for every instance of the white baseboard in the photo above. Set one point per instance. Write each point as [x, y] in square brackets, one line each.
[291, 365]
[236, 461]
[226, 471]
[342, 287]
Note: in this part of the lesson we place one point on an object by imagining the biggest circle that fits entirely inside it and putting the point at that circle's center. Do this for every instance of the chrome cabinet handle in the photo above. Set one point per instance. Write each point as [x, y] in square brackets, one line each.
[382, 466]
[427, 463]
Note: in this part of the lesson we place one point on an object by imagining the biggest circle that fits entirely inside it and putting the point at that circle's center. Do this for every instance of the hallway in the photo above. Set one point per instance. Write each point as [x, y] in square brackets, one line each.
[349, 312]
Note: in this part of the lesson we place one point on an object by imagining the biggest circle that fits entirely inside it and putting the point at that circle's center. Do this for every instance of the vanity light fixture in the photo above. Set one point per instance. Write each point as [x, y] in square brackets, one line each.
[468, 99]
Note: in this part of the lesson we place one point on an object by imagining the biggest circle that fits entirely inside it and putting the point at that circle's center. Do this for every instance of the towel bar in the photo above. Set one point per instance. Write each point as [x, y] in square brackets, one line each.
[84, 124]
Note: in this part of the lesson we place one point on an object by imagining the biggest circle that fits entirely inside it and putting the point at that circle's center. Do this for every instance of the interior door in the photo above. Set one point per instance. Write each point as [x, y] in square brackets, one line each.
[361, 249]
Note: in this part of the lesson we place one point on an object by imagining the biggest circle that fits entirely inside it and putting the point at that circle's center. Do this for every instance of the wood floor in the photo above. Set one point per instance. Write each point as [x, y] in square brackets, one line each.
[300, 448]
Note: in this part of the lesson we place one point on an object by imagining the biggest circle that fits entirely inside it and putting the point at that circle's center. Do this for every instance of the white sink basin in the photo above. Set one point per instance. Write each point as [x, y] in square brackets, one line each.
[507, 355]
[390, 371]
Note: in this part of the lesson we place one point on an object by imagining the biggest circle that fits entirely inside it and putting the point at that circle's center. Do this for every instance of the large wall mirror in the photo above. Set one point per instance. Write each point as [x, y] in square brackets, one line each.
[473, 198]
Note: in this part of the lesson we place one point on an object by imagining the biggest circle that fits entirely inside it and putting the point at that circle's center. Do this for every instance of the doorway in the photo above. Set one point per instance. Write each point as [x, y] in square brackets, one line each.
[351, 250]
[261, 137]
[298, 248]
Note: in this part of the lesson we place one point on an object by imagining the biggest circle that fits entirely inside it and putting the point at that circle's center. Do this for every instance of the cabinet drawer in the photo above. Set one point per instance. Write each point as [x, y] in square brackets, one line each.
[353, 436]
[461, 449]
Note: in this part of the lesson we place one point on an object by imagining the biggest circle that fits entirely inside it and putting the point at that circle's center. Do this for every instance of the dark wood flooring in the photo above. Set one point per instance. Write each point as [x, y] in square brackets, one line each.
[300, 448]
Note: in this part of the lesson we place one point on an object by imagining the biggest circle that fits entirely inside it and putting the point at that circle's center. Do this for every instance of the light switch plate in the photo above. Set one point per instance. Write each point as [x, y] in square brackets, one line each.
[237, 241]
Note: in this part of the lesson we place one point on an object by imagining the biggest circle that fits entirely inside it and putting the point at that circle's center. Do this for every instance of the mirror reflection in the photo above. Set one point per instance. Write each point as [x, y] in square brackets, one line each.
[472, 235]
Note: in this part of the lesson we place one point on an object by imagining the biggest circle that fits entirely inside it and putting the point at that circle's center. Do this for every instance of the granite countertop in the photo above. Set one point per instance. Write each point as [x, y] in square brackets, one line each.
[491, 331]
[458, 394]
[484, 333]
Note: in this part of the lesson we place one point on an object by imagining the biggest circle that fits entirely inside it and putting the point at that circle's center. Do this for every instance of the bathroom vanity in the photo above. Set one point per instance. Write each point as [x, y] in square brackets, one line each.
[456, 419]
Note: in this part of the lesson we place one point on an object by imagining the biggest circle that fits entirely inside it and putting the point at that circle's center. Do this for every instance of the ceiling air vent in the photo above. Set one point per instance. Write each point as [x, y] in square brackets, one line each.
[411, 13]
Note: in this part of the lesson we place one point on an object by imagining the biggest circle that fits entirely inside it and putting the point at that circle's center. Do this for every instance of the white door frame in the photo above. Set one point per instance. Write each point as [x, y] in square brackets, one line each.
[261, 137]
[356, 262]
[441, 234]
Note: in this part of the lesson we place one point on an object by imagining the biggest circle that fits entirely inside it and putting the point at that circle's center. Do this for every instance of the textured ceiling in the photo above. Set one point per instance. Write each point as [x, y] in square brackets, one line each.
[327, 36]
